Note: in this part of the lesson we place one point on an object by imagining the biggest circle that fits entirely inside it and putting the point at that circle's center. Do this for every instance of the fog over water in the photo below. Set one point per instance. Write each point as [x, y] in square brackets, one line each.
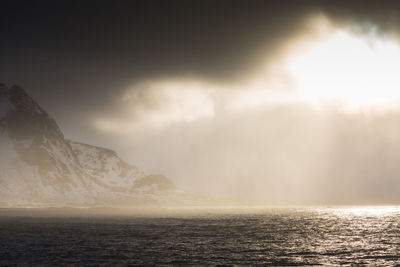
[283, 153]
[323, 131]
[318, 124]
[279, 102]
[200, 132]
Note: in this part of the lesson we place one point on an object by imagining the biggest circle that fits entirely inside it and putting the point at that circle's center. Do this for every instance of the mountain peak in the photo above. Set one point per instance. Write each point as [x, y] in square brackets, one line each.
[37, 164]
[22, 101]
[17, 90]
[23, 118]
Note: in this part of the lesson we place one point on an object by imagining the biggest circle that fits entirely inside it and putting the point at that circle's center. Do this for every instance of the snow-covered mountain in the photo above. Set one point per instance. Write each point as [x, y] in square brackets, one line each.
[38, 165]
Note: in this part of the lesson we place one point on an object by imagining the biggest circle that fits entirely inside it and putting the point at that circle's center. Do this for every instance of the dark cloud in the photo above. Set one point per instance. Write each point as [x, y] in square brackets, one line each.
[210, 38]
[77, 57]
[81, 52]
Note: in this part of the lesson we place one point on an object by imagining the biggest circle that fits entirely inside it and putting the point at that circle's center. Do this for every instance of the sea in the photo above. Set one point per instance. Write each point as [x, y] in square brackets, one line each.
[263, 236]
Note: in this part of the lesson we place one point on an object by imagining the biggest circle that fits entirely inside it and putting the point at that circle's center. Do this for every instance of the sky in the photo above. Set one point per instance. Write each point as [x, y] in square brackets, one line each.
[284, 101]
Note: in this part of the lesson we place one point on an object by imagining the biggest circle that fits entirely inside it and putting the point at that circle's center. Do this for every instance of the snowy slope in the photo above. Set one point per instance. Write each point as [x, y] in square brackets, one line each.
[116, 174]
[38, 165]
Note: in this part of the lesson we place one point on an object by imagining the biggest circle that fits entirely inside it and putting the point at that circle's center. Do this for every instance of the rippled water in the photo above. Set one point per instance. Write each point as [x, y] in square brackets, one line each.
[320, 236]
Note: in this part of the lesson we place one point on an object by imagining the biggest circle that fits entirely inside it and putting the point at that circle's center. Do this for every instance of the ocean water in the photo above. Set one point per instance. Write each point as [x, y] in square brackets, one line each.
[270, 236]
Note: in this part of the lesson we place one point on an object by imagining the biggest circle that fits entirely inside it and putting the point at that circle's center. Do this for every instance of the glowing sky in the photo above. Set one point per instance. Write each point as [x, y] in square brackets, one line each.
[287, 101]
[357, 70]
[326, 66]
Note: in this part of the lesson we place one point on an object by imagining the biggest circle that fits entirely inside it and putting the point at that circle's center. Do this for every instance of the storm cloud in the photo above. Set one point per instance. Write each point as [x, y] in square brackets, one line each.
[195, 90]
[78, 49]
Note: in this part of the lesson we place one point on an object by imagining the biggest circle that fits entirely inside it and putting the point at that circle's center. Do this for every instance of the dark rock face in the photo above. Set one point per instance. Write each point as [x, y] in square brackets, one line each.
[28, 119]
[39, 142]
[38, 164]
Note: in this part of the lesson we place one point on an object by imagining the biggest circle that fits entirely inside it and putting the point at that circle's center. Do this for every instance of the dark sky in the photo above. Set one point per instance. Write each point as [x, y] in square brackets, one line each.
[72, 55]
[81, 60]
[94, 45]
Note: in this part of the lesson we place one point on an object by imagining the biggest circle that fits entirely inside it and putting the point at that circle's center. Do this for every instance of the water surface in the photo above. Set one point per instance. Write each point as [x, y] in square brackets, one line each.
[272, 236]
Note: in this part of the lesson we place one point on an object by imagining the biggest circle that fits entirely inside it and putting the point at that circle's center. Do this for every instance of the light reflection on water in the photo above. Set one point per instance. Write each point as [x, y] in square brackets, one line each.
[252, 236]
[366, 211]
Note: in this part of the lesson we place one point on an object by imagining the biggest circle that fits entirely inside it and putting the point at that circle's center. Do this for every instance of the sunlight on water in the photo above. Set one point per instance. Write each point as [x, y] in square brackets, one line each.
[376, 211]
[244, 236]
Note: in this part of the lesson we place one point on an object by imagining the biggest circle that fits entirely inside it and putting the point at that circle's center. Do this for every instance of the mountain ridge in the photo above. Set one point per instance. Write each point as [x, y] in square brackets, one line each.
[39, 165]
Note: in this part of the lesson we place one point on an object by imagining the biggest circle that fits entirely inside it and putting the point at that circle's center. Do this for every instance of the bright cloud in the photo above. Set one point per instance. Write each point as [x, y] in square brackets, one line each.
[324, 65]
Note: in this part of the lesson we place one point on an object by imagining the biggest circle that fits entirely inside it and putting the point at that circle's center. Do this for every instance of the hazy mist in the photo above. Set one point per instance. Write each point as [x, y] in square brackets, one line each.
[216, 105]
